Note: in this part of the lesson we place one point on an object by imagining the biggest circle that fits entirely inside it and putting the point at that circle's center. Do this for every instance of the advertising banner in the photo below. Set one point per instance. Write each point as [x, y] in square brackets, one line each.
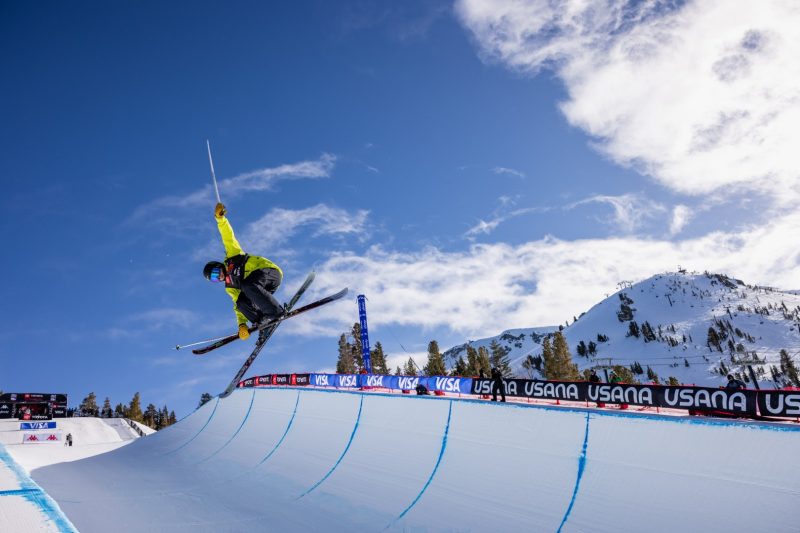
[692, 398]
[6, 410]
[779, 403]
[24, 397]
[42, 437]
[37, 425]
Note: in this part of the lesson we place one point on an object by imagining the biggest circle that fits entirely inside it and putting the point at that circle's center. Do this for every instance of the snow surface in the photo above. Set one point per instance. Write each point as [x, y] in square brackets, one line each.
[295, 459]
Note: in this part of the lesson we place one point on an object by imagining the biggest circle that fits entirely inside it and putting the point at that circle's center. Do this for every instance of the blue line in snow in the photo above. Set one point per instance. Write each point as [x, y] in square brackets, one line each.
[201, 429]
[252, 398]
[435, 468]
[581, 466]
[35, 495]
[352, 435]
[288, 427]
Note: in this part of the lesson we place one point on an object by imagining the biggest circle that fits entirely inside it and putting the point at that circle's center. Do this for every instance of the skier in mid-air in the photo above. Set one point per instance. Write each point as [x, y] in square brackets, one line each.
[249, 280]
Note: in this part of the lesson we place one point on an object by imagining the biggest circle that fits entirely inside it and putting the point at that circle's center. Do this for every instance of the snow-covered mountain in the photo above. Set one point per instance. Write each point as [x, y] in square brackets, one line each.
[666, 323]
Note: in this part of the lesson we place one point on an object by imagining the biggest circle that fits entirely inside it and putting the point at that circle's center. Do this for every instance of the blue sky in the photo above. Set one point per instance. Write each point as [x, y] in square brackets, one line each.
[470, 167]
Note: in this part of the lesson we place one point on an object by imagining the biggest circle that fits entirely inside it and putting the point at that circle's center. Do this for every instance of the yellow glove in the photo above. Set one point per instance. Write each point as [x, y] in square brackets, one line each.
[243, 331]
[219, 210]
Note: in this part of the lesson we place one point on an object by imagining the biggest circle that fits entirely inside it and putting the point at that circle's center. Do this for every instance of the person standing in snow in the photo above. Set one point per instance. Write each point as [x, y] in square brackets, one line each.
[734, 383]
[249, 280]
[498, 385]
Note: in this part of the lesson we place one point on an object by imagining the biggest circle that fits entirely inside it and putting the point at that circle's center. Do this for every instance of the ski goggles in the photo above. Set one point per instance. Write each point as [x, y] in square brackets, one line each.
[216, 274]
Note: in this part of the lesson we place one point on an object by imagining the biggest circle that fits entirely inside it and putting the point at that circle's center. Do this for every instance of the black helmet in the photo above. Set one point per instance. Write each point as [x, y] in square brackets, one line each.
[215, 267]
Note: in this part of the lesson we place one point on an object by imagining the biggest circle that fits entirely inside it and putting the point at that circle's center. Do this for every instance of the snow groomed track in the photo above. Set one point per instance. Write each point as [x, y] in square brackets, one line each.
[295, 459]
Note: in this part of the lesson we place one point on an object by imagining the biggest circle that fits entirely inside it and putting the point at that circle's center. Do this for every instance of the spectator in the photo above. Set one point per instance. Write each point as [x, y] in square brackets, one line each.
[594, 378]
[498, 385]
[69, 440]
[422, 390]
[734, 383]
[615, 380]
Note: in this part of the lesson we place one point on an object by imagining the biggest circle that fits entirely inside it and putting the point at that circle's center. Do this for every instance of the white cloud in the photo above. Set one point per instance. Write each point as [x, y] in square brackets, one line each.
[702, 96]
[508, 171]
[630, 210]
[257, 180]
[681, 216]
[279, 225]
[487, 288]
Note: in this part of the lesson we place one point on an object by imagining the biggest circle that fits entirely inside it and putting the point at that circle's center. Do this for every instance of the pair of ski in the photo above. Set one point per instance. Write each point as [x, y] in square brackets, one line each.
[265, 331]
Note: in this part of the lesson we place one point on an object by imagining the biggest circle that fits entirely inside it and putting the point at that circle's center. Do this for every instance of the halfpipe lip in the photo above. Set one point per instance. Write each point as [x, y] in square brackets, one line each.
[677, 419]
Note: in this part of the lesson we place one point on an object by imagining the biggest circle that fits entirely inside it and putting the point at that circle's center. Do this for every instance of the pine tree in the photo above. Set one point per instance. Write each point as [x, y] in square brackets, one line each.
[204, 399]
[135, 408]
[88, 406]
[107, 412]
[410, 369]
[789, 369]
[558, 363]
[172, 418]
[355, 348]
[548, 361]
[345, 364]
[435, 365]
[581, 349]
[149, 416]
[472, 362]
[483, 362]
[120, 411]
[398, 371]
[378, 359]
[499, 359]
[460, 367]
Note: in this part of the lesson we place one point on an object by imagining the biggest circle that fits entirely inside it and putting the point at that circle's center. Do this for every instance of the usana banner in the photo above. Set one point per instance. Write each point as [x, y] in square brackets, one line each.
[749, 403]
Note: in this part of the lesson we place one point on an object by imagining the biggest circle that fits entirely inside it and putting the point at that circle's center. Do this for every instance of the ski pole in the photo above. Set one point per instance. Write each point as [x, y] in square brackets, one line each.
[213, 175]
[181, 346]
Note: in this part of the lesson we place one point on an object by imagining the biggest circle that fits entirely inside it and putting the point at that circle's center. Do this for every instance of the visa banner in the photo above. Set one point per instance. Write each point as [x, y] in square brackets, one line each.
[36, 425]
[354, 381]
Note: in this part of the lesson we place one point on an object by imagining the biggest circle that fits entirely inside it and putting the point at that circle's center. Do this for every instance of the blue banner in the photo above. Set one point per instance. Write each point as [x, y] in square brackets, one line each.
[362, 316]
[432, 383]
[37, 425]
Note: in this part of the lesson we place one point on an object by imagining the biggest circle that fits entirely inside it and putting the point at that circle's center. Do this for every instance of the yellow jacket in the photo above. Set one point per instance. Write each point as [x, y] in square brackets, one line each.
[254, 262]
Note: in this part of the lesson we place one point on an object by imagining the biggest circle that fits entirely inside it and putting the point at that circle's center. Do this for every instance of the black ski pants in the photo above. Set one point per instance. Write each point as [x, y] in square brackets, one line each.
[498, 385]
[256, 301]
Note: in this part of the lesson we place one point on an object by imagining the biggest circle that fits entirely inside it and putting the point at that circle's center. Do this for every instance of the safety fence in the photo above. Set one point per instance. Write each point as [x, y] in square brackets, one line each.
[745, 403]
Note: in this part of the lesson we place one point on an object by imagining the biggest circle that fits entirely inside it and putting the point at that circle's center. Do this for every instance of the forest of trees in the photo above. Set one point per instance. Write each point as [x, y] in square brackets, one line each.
[478, 362]
[152, 416]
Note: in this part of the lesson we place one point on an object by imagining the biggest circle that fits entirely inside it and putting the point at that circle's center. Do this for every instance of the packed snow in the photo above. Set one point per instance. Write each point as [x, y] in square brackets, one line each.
[294, 459]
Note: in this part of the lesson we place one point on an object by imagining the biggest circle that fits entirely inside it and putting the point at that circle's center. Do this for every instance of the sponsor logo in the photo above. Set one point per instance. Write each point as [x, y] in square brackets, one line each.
[37, 425]
[704, 399]
[544, 389]
[621, 394]
[374, 381]
[321, 380]
[448, 384]
[280, 379]
[782, 404]
[264, 380]
[481, 386]
[347, 381]
[407, 383]
[302, 379]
